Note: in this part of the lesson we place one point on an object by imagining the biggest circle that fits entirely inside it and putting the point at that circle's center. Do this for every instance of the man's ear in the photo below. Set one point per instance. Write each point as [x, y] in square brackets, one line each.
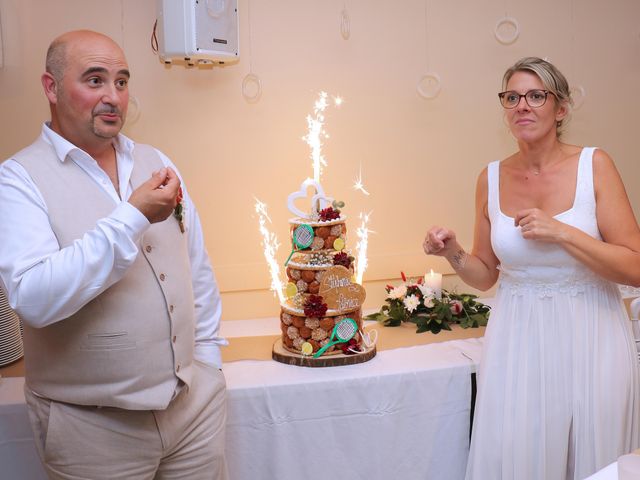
[50, 87]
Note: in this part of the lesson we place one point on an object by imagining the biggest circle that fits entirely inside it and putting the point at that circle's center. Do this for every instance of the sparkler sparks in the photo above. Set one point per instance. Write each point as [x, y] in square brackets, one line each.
[271, 245]
[361, 247]
[317, 133]
[358, 185]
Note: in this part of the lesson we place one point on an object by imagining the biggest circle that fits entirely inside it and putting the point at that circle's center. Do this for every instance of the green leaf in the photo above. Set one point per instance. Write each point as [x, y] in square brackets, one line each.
[480, 320]
[435, 328]
[423, 329]
[397, 312]
[376, 316]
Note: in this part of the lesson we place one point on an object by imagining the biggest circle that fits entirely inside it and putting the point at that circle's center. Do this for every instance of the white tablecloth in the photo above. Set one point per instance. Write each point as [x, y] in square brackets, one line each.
[404, 414]
[610, 472]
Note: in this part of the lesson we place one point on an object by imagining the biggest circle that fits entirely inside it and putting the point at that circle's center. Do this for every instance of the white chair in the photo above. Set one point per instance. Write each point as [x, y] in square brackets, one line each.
[634, 310]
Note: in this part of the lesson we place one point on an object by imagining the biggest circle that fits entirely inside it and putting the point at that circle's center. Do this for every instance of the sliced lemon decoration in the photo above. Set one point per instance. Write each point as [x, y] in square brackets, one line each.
[338, 244]
[290, 290]
[306, 348]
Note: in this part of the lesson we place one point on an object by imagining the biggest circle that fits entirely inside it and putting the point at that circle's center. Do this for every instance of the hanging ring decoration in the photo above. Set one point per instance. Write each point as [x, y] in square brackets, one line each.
[345, 24]
[429, 85]
[507, 30]
[133, 110]
[577, 94]
[251, 88]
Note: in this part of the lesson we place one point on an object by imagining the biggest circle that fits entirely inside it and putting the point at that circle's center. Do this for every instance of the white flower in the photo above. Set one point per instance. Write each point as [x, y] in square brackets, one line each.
[428, 301]
[427, 291]
[411, 303]
[428, 295]
[398, 292]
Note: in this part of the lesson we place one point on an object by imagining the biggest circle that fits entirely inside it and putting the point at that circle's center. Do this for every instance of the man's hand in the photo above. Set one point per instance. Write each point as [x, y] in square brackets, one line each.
[156, 198]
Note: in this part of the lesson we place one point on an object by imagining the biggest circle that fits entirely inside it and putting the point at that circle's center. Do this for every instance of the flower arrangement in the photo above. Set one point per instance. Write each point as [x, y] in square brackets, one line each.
[413, 301]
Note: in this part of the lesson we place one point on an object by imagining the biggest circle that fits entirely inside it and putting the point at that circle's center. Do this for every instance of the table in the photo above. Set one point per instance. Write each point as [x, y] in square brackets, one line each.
[610, 472]
[404, 414]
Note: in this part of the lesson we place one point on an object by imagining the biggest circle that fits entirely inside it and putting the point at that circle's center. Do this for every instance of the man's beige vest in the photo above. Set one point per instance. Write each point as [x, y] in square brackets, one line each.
[128, 346]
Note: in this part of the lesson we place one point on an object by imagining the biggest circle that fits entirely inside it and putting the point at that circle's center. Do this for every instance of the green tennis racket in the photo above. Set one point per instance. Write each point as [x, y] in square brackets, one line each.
[344, 331]
[302, 238]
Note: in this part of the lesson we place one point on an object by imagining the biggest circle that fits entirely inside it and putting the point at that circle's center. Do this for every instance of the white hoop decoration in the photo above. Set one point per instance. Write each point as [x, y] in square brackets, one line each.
[251, 88]
[345, 25]
[512, 30]
[429, 85]
[133, 110]
[578, 93]
[369, 338]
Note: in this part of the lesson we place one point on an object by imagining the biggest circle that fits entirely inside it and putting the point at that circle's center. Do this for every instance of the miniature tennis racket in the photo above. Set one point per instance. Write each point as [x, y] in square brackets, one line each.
[302, 238]
[344, 331]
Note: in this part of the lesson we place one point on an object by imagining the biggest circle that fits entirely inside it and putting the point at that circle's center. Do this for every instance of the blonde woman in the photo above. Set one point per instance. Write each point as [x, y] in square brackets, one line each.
[558, 392]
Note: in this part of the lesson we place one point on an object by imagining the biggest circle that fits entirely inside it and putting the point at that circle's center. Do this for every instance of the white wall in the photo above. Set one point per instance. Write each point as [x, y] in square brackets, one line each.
[419, 157]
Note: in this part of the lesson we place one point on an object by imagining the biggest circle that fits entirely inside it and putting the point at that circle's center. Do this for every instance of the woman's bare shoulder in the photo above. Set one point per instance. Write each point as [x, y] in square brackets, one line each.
[602, 159]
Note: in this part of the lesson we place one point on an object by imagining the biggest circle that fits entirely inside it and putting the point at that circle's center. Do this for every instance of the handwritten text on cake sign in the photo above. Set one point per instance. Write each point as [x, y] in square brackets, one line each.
[336, 282]
[345, 303]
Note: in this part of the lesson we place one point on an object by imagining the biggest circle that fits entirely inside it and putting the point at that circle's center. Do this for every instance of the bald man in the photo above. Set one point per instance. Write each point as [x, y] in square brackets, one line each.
[113, 283]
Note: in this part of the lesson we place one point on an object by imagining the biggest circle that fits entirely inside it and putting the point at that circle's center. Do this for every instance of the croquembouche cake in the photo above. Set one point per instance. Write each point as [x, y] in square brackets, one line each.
[321, 291]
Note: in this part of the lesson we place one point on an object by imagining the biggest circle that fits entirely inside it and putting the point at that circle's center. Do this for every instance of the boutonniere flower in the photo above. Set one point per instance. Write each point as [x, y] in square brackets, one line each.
[179, 210]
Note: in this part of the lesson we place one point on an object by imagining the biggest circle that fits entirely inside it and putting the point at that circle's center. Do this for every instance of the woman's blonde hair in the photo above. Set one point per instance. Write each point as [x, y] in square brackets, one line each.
[552, 79]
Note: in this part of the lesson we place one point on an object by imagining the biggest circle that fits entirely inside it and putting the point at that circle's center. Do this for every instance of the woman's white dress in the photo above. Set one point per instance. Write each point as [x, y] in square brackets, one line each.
[558, 393]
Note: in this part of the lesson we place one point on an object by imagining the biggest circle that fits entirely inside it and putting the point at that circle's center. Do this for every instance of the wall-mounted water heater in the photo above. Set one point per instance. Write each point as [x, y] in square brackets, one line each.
[198, 31]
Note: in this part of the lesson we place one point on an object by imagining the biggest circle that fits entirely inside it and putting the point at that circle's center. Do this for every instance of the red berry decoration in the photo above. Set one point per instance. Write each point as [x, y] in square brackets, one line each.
[314, 306]
[342, 259]
[350, 348]
[328, 213]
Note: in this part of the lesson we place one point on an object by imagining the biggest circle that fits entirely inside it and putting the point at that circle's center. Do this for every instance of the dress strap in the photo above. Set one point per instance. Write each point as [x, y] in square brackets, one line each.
[585, 193]
[493, 188]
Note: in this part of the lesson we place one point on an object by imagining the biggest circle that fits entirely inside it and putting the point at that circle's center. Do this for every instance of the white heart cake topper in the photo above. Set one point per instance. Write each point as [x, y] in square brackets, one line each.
[319, 199]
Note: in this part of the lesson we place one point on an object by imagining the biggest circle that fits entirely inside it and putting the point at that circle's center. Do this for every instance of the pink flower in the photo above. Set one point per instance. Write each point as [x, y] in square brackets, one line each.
[456, 307]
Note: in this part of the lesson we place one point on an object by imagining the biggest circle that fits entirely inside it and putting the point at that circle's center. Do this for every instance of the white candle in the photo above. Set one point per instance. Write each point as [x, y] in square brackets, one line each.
[434, 282]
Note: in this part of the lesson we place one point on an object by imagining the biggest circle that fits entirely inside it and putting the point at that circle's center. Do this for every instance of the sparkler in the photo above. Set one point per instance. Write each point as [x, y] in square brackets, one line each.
[271, 245]
[361, 247]
[317, 133]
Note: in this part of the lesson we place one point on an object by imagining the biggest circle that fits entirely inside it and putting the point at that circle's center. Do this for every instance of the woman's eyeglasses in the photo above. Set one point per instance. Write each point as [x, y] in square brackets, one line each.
[534, 98]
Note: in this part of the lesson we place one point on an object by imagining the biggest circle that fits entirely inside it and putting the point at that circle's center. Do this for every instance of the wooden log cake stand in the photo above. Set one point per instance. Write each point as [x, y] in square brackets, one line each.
[282, 355]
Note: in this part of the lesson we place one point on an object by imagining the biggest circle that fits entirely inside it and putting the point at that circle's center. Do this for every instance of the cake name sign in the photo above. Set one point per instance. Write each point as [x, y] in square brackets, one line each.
[339, 292]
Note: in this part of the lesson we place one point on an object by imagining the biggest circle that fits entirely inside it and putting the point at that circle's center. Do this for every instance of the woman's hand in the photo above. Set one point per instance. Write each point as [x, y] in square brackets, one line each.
[439, 241]
[537, 225]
